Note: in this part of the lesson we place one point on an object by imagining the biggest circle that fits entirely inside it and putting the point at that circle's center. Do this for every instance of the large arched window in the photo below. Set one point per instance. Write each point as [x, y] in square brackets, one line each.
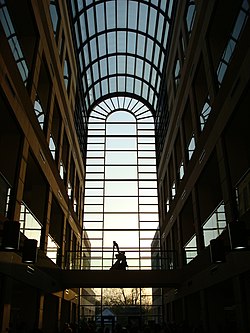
[121, 188]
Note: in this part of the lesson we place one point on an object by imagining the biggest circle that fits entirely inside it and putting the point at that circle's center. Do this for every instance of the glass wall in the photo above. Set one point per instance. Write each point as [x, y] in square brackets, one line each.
[121, 201]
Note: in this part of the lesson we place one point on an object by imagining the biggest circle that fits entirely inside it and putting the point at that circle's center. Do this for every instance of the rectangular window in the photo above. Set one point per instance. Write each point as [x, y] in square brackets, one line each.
[230, 47]
[191, 147]
[191, 249]
[215, 224]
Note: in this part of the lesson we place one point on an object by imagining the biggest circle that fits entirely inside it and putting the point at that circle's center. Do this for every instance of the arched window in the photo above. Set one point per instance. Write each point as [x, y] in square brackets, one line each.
[121, 188]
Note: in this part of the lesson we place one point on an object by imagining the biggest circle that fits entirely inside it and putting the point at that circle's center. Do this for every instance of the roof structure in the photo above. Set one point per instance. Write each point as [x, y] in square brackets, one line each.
[122, 48]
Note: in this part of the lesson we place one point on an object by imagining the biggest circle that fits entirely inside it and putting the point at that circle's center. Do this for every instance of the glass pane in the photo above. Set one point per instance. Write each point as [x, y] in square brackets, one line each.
[121, 64]
[131, 42]
[121, 41]
[130, 65]
[111, 42]
[140, 45]
[121, 14]
[121, 143]
[152, 21]
[91, 23]
[121, 172]
[143, 17]
[121, 129]
[102, 45]
[100, 19]
[121, 188]
[121, 221]
[119, 158]
[130, 241]
[110, 15]
[132, 14]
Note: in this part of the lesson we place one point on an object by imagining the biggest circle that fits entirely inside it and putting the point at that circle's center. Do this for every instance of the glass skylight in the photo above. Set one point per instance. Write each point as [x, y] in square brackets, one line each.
[121, 46]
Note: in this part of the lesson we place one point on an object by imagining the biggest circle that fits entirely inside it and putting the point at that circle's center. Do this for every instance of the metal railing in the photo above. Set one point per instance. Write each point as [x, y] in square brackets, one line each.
[137, 259]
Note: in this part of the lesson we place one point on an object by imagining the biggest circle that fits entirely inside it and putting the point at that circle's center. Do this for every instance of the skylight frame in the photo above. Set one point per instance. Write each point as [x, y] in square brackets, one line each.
[121, 54]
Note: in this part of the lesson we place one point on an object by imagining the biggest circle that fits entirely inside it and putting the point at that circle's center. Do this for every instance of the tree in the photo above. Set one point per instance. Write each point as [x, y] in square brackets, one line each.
[125, 296]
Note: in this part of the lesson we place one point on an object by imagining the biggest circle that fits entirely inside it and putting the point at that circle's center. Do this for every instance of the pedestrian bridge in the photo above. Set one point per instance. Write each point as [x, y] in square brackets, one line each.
[48, 276]
[119, 278]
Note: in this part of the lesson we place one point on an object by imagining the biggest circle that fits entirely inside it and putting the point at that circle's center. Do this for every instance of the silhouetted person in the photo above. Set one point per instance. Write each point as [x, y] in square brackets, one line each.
[121, 260]
[67, 328]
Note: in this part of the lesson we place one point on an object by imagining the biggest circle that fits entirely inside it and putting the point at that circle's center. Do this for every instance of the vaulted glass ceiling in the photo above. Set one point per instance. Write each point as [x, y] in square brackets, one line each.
[122, 47]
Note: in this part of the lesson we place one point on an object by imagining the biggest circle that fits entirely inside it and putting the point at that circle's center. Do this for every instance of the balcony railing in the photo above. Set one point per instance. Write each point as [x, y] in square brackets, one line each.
[137, 259]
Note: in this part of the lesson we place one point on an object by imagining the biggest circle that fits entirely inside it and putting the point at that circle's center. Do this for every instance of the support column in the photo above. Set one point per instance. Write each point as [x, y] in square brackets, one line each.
[40, 312]
[6, 301]
[240, 312]
[229, 197]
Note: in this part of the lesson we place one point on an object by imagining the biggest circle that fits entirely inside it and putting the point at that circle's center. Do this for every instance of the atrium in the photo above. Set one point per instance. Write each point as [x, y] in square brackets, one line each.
[125, 166]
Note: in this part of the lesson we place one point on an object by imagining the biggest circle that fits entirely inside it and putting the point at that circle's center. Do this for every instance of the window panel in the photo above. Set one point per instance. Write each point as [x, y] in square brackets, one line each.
[94, 168]
[121, 64]
[156, 55]
[96, 71]
[120, 143]
[93, 200]
[132, 14]
[111, 42]
[93, 192]
[121, 83]
[104, 84]
[147, 184]
[141, 45]
[121, 188]
[160, 28]
[97, 91]
[120, 221]
[112, 65]
[110, 16]
[130, 65]
[100, 18]
[120, 158]
[131, 239]
[146, 161]
[121, 129]
[112, 84]
[147, 69]
[121, 172]
[152, 21]
[118, 204]
[138, 84]
[130, 84]
[83, 28]
[148, 200]
[91, 22]
[93, 208]
[131, 42]
[102, 45]
[143, 17]
[149, 49]
[148, 192]
[149, 225]
[103, 67]
[144, 91]
[121, 13]
[121, 41]
[139, 67]
[146, 140]
[166, 35]
[93, 49]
